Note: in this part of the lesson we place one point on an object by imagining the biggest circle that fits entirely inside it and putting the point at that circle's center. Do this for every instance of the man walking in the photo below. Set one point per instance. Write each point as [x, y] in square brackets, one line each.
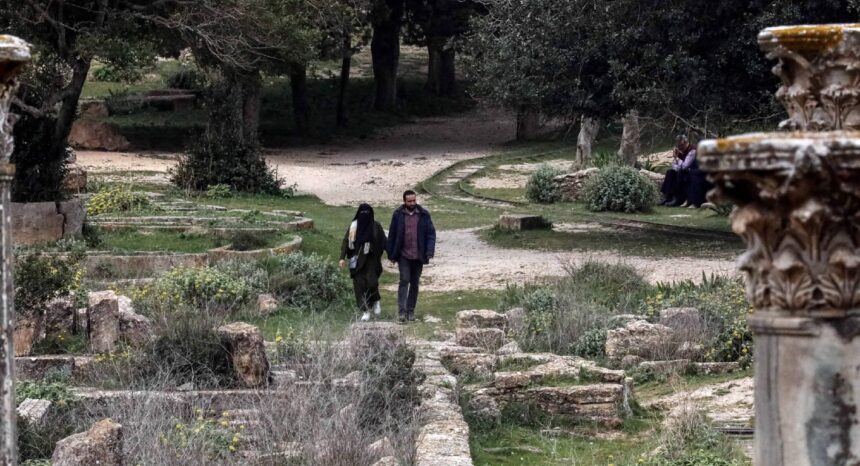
[411, 244]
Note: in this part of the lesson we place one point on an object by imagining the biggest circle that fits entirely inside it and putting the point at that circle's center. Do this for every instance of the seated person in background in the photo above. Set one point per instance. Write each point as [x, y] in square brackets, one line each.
[676, 184]
[697, 186]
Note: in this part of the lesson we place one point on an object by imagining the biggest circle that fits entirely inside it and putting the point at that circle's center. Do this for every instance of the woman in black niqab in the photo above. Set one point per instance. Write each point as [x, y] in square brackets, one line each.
[362, 248]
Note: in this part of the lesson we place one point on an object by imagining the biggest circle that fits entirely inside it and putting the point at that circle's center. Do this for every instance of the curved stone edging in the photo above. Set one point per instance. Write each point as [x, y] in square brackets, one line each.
[153, 263]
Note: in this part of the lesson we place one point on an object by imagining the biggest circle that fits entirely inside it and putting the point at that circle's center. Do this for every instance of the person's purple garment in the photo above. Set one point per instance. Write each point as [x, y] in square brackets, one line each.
[688, 160]
[410, 236]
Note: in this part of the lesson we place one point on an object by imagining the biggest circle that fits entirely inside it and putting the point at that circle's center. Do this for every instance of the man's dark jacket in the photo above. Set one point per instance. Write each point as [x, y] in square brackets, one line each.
[426, 234]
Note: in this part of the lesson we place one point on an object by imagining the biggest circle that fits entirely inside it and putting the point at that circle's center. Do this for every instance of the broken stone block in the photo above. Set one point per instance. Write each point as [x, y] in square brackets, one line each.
[36, 222]
[481, 318]
[27, 331]
[516, 321]
[485, 408]
[103, 321]
[34, 411]
[514, 222]
[639, 338]
[75, 180]
[469, 363]
[245, 343]
[511, 347]
[135, 329]
[598, 402]
[489, 339]
[709, 368]
[37, 367]
[266, 304]
[74, 215]
[101, 445]
[60, 317]
[92, 134]
[372, 336]
[676, 366]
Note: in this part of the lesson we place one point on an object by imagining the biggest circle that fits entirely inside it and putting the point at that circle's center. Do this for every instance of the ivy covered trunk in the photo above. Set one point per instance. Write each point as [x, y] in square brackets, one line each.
[630, 139]
[588, 129]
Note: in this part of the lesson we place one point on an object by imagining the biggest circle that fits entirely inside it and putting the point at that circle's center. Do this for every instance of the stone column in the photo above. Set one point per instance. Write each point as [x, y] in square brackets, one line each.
[14, 53]
[798, 210]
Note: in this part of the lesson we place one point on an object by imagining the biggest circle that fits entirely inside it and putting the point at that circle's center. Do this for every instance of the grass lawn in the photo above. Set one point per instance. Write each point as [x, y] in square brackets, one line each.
[510, 445]
[632, 242]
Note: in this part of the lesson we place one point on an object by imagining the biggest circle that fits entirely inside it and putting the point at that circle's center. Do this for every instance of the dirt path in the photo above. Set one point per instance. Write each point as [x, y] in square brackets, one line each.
[375, 170]
[465, 262]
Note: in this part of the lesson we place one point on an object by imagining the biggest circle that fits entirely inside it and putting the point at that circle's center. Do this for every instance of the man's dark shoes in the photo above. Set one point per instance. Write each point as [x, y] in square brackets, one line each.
[666, 202]
[401, 317]
[410, 316]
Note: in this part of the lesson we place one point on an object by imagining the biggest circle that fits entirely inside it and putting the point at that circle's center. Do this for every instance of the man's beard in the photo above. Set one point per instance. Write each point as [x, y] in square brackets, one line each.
[410, 208]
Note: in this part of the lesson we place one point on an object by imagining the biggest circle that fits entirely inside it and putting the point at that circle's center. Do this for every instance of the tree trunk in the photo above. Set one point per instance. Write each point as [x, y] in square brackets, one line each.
[301, 107]
[69, 104]
[385, 51]
[251, 90]
[440, 67]
[528, 123]
[588, 129]
[630, 137]
[345, 62]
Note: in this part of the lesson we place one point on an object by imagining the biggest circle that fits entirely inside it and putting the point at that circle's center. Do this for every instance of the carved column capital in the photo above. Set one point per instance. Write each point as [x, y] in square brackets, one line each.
[14, 54]
[820, 71]
[798, 209]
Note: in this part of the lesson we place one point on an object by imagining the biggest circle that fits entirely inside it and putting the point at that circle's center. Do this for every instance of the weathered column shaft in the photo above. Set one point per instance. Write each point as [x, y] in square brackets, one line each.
[14, 53]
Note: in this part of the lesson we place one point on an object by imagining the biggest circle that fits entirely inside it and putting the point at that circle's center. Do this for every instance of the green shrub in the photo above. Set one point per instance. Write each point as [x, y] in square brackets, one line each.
[619, 189]
[603, 159]
[540, 186]
[218, 191]
[203, 288]
[619, 287]
[225, 154]
[306, 281]
[592, 344]
[92, 235]
[118, 199]
[191, 353]
[112, 74]
[187, 78]
[689, 438]
[391, 385]
[40, 278]
[123, 102]
[54, 389]
[247, 241]
[724, 308]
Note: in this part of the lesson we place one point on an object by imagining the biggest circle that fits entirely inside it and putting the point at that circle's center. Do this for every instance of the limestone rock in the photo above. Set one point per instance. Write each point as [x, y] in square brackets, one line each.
[631, 360]
[92, 134]
[514, 222]
[60, 317]
[134, 328]
[370, 336]
[81, 321]
[266, 304]
[387, 461]
[598, 402]
[481, 318]
[708, 368]
[469, 363]
[511, 347]
[74, 216]
[655, 178]
[101, 445]
[36, 222]
[103, 321]
[570, 185]
[690, 350]
[381, 447]
[94, 109]
[245, 343]
[516, 320]
[680, 319]
[36, 367]
[34, 411]
[640, 338]
[485, 408]
[489, 339]
[675, 366]
[27, 331]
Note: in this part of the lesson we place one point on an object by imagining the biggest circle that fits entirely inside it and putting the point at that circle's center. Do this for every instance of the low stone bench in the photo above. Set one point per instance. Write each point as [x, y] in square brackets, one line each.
[516, 222]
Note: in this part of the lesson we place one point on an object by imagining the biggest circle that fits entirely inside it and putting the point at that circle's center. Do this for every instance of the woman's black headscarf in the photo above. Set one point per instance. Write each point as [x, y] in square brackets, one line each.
[364, 232]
